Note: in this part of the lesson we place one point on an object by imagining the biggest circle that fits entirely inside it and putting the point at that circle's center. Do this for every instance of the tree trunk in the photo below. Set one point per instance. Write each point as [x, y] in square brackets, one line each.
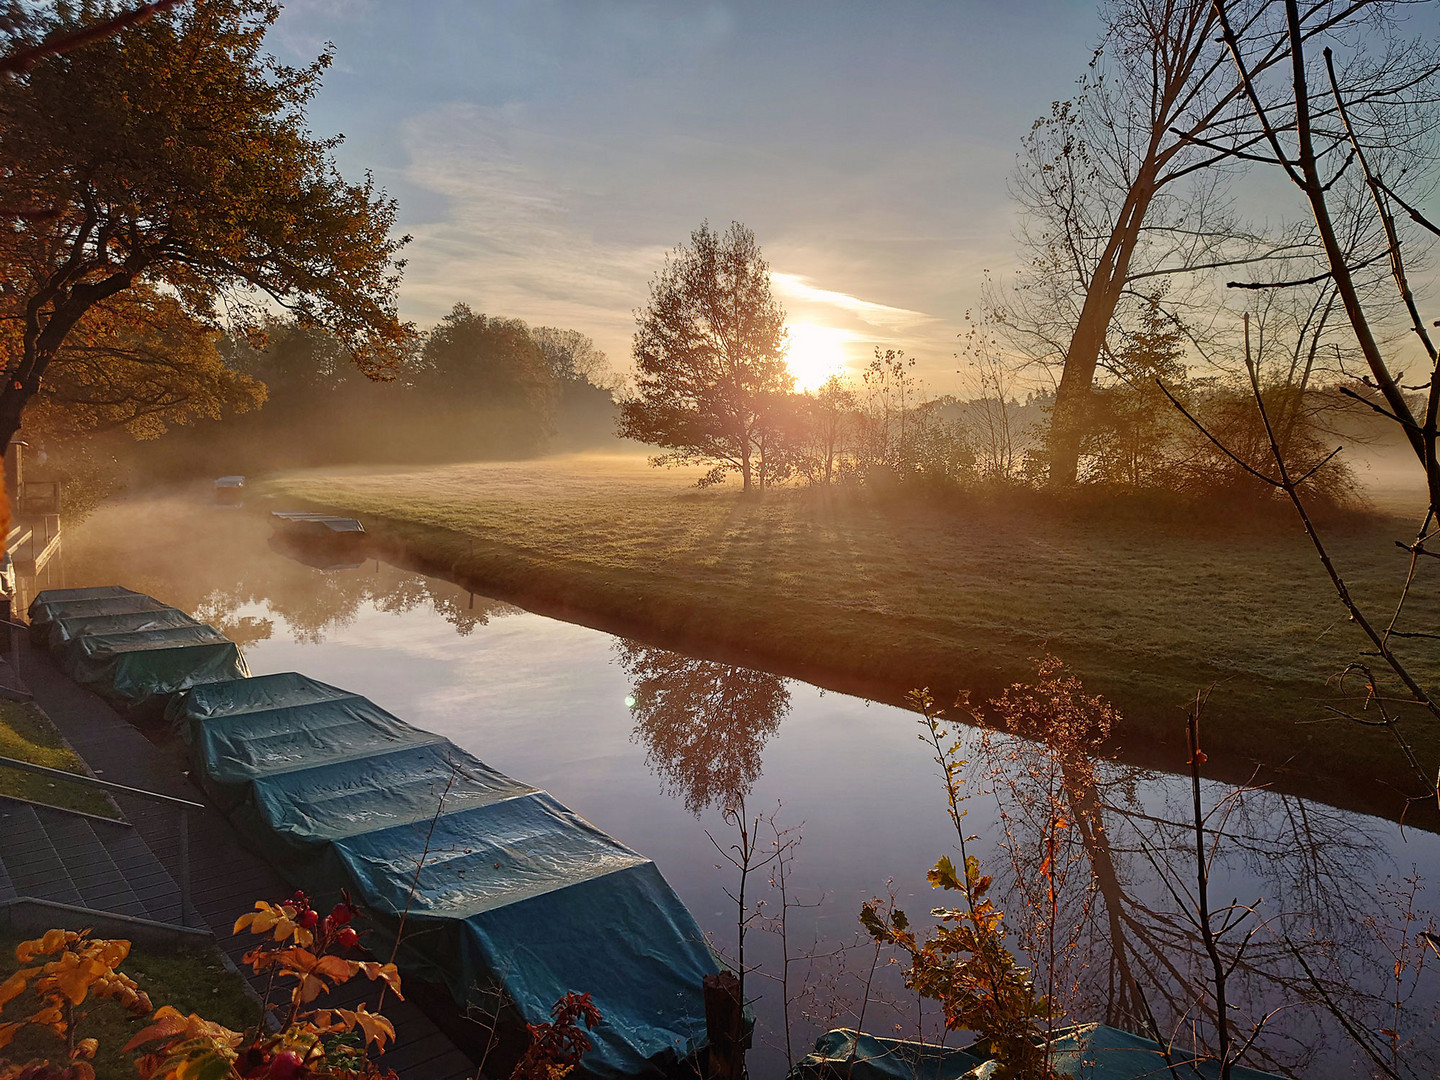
[1070, 419]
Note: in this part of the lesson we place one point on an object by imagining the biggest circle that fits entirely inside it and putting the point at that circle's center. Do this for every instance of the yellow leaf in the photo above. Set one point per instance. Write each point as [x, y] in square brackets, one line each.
[73, 982]
[12, 988]
[386, 973]
[85, 1049]
[377, 1029]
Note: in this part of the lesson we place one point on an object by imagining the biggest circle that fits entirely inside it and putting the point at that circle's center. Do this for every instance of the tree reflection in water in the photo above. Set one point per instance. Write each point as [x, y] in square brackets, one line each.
[1120, 932]
[228, 563]
[703, 723]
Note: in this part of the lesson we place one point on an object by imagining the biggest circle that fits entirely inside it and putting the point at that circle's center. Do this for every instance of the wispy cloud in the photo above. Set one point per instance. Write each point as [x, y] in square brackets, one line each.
[880, 316]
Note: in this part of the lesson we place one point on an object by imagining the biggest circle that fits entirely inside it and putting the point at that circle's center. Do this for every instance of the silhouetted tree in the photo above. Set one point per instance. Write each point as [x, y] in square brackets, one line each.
[1123, 183]
[572, 356]
[176, 154]
[710, 357]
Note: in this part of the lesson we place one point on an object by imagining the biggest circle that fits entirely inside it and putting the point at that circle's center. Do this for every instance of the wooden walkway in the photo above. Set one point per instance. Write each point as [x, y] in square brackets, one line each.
[226, 878]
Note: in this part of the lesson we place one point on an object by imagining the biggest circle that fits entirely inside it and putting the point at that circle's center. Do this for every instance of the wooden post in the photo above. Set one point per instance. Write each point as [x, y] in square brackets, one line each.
[725, 1027]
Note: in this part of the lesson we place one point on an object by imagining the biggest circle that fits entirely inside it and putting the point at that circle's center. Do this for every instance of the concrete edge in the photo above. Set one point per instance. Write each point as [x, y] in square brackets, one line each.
[29, 915]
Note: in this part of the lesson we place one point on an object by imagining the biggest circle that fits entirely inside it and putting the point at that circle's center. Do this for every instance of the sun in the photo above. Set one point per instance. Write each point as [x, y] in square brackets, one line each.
[815, 353]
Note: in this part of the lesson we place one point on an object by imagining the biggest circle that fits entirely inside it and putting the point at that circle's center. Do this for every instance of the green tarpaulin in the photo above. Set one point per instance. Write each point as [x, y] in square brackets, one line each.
[140, 669]
[845, 1054]
[1084, 1052]
[516, 891]
[1097, 1052]
[103, 600]
[68, 625]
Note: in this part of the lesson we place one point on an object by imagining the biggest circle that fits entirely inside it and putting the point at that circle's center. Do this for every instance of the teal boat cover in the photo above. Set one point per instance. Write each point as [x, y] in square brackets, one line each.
[1097, 1052]
[845, 1054]
[103, 600]
[514, 892]
[1084, 1052]
[141, 668]
[69, 624]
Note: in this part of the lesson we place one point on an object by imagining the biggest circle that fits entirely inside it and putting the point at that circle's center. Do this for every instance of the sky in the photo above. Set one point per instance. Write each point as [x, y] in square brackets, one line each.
[546, 154]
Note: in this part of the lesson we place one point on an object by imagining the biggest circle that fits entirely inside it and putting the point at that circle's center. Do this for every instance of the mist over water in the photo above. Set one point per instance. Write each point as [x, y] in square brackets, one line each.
[650, 744]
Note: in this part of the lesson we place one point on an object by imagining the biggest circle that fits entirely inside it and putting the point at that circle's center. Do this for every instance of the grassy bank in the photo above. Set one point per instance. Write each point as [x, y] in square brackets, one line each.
[27, 735]
[875, 594]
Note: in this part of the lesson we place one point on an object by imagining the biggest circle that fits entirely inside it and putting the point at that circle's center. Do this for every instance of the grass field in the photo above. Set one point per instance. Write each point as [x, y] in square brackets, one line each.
[875, 594]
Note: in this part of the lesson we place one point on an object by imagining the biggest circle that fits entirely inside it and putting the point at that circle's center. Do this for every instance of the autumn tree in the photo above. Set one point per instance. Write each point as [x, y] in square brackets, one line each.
[710, 358]
[175, 156]
[138, 363]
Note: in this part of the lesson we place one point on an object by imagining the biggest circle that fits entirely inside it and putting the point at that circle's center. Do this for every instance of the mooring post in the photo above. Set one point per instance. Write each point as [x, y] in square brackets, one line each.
[725, 1027]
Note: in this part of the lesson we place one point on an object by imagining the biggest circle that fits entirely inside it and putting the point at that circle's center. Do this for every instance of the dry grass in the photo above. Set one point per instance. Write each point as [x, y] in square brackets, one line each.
[877, 594]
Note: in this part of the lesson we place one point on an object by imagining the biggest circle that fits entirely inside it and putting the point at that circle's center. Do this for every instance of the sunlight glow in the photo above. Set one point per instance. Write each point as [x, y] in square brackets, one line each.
[815, 353]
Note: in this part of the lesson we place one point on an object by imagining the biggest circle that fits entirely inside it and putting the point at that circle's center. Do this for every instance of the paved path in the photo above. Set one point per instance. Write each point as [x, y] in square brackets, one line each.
[226, 878]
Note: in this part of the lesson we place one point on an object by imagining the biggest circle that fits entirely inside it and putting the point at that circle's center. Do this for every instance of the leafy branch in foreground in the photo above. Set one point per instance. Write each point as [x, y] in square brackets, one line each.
[965, 964]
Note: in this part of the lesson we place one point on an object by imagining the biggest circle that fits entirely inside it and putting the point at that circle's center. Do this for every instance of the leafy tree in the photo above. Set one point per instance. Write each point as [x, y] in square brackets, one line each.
[703, 723]
[710, 358]
[473, 359]
[1131, 441]
[138, 362]
[175, 155]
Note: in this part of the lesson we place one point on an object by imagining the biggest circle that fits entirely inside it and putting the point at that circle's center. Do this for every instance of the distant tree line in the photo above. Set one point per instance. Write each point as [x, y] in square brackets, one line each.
[289, 395]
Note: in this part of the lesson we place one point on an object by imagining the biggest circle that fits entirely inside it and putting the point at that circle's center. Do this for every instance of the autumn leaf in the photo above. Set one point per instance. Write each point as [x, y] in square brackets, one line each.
[386, 973]
[13, 987]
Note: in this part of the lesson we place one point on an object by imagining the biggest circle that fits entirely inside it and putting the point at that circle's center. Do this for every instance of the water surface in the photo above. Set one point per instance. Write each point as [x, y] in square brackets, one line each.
[651, 745]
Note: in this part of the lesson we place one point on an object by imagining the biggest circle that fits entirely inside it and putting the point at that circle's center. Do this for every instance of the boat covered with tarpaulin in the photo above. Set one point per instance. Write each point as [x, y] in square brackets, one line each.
[162, 652]
[514, 892]
[100, 600]
[67, 626]
[1084, 1052]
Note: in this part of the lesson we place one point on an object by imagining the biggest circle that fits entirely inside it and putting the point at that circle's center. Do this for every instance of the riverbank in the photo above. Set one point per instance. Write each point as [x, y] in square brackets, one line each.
[874, 595]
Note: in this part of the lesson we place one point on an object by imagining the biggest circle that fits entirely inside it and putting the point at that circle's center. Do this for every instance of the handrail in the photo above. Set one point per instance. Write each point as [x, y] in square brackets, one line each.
[184, 805]
[90, 781]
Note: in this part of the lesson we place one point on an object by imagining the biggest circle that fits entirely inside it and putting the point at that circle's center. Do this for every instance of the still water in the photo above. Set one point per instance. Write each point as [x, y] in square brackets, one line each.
[650, 745]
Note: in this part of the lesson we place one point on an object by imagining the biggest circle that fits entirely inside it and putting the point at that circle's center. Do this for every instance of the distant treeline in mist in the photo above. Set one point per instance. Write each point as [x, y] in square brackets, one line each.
[474, 386]
[885, 430]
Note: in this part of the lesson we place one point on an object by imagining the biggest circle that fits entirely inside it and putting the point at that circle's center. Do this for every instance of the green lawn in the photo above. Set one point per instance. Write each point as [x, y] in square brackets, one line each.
[192, 980]
[876, 594]
[27, 735]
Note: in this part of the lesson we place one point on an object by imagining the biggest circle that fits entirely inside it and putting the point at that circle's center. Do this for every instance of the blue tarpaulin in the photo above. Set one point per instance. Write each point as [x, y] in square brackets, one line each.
[1083, 1052]
[515, 891]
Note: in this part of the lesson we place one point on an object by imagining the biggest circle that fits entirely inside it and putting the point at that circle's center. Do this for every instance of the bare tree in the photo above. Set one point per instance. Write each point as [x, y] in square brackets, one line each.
[1126, 183]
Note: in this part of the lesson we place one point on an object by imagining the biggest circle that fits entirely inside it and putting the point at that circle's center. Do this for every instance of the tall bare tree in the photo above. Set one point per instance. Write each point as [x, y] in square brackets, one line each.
[1126, 183]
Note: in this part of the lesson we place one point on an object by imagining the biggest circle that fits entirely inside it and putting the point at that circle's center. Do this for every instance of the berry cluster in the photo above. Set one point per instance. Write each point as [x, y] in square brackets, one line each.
[334, 928]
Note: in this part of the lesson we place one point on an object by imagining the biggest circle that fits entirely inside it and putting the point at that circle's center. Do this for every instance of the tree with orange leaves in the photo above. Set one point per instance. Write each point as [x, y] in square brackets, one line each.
[175, 157]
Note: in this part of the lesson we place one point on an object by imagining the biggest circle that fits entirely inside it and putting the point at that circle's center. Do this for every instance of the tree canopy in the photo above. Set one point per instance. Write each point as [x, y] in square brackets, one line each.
[175, 155]
[710, 357]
